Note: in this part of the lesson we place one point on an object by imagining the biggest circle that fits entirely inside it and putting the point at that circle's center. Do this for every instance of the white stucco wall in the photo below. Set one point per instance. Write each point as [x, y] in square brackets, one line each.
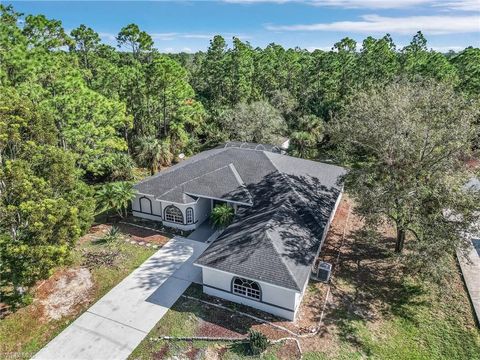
[142, 212]
[275, 300]
[201, 210]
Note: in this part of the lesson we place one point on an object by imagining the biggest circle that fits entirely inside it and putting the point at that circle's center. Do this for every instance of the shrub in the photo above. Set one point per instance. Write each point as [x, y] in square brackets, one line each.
[222, 216]
[257, 342]
[121, 168]
[115, 196]
[112, 235]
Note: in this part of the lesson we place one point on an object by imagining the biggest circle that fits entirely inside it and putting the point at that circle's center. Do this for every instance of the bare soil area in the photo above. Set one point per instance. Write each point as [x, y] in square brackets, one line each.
[63, 293]
[143, 235]
[95, 233]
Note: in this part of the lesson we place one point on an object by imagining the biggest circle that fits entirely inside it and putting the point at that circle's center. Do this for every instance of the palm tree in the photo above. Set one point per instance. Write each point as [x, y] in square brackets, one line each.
[152, 153]
[178, 136]
[305, 140]
[222, 216]
[302, 143]
[116, 196]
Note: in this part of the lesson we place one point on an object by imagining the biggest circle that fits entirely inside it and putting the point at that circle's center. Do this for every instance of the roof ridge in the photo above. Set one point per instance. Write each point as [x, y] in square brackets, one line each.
[272, 243]
[289, 182]
[292, 277]
[236, 174]
[181, 164]
[240, 145]
[298, 159]
[240, 181]
[195, 178]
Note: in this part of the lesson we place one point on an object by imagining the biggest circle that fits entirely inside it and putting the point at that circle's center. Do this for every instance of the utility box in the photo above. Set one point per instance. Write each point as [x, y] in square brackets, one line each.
[324, 271]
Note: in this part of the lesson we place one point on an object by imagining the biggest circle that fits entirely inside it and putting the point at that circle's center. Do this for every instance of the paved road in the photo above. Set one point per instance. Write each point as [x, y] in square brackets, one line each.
[470, 266]
[118, 322]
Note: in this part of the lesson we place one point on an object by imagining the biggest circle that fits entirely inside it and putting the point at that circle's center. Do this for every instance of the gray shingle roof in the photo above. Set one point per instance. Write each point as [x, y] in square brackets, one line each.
[168, 184]
[223, 183]
[276, 239]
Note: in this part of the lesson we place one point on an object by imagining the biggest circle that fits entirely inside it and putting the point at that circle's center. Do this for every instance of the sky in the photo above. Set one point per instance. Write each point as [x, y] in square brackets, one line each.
[311, 24]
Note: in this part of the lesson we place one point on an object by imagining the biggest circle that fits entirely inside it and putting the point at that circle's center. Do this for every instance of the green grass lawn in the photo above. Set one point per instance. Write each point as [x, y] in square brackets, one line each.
[437, 323]
[22, 333]
[387, 316]
[192, 318]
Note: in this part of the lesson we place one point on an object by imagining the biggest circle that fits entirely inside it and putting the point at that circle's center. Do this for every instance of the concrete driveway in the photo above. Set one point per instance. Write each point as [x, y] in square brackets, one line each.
[114, 326]
[470, 266]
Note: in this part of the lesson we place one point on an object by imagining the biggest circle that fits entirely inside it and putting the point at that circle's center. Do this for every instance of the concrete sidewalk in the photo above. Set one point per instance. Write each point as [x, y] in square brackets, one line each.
[114, 326]
[471, 273]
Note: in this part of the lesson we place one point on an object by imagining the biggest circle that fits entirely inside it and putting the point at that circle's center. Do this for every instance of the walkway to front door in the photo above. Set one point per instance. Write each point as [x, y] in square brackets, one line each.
[117, 323]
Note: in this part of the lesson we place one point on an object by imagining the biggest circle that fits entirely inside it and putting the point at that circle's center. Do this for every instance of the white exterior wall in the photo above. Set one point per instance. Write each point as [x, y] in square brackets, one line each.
[275, 300]
[201, 211]
[138, 211]
[183, 209]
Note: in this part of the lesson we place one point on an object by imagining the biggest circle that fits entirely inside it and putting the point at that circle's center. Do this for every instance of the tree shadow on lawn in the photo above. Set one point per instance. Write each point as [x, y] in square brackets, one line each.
[369, 285]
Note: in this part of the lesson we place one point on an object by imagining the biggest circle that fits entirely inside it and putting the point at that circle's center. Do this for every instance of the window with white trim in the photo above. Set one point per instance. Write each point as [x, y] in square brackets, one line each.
[173, 214]
[246, 288]
[189, 215]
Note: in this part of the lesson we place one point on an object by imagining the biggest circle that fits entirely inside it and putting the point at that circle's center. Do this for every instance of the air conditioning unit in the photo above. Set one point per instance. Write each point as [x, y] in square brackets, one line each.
[324, 271]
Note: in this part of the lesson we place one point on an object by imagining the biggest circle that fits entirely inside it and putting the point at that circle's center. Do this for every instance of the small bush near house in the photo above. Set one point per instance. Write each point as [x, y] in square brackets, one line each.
[222, 216]
[112, 235]
[257, 342]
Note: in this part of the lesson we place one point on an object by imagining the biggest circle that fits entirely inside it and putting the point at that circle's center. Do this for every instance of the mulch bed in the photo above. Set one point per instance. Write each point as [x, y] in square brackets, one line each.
[193, 353]
[206, 328]
[143, 235]
[134, 233]
[162, 353]
[95, 233]
[288, 351]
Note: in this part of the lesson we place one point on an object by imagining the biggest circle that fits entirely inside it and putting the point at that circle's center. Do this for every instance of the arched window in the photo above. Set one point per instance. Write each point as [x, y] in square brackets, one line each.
[189, 215]
[145, 205]
[246, 288]
[173, 214]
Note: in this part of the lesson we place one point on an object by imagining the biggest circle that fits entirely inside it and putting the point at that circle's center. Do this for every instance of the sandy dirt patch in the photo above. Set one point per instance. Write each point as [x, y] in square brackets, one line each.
[64, 292]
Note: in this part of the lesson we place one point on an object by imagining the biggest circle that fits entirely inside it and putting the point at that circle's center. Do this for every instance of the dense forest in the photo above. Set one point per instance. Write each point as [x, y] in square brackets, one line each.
[76, 114]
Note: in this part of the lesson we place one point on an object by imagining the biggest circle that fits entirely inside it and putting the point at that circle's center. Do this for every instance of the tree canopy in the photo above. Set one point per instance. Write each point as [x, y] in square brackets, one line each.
[77, 114]
[406, 144]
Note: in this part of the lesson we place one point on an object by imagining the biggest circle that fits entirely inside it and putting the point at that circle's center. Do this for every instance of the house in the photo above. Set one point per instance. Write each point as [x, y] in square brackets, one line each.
[283, 208]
